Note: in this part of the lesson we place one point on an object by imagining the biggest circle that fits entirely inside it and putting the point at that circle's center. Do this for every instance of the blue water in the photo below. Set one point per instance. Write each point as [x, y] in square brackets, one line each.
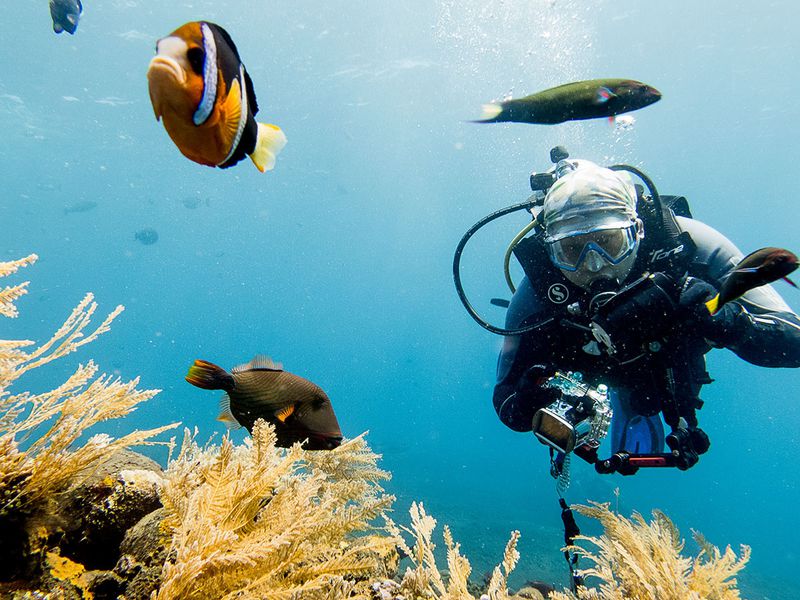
[338, 263]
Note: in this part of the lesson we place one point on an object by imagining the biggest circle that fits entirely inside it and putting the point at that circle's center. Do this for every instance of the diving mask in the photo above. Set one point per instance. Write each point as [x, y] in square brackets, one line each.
[612, 245]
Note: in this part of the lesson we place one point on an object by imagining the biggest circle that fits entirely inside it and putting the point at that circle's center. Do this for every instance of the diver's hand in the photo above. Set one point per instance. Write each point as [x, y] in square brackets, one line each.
[717, 329]
[531, 386]
[638, 315]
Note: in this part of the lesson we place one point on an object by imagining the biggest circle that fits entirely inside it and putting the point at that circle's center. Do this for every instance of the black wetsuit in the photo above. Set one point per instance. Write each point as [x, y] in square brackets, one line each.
[760, 328]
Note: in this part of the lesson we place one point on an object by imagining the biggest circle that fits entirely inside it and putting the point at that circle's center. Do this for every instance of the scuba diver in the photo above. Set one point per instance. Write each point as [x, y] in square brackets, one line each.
[610, 319]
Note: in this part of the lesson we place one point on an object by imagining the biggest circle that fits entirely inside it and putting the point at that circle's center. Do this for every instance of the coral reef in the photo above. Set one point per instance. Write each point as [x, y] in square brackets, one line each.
[425, 579]
[94, 520]
[256, 522]
[643, 561]
[41, 461]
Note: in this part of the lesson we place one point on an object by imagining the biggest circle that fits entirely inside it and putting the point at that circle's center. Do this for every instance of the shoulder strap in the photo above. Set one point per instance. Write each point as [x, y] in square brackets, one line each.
[667, 248]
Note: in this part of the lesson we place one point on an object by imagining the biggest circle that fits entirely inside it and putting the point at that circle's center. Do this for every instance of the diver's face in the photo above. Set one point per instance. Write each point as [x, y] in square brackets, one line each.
[607, 254]
[595, 268]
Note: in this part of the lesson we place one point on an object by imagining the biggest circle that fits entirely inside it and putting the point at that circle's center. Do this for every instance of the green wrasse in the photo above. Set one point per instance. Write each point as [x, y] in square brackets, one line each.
[756, 269]
[592, 99]
[261, 389]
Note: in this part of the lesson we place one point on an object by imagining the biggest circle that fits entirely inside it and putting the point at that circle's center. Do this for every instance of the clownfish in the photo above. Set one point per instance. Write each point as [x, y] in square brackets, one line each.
[201, 91]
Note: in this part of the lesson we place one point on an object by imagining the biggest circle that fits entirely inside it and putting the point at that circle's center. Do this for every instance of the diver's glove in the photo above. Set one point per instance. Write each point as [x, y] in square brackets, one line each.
[516, 409]
[720, 329]
[531, 386]
[687, 444]
[638, 315]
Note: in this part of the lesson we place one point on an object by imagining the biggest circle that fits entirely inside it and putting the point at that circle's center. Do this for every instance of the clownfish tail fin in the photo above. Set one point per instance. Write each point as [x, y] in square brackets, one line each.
[269, 143]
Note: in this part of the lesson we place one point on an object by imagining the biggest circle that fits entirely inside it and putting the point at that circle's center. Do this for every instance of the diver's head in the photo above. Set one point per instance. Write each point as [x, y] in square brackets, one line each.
[591, 227]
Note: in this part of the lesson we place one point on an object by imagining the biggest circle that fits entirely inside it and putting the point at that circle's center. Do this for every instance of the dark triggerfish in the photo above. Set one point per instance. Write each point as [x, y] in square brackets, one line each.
[201, 91]
[754, 270]
[261, 389]
[593, 99]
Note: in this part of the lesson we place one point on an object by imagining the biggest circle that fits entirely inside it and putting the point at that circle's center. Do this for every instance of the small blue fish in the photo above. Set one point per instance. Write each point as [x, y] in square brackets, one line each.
[147, 236]
[66, 14]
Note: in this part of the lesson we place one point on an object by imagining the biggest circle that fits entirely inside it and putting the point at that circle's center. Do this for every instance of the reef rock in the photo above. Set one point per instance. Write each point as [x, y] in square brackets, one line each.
[144, 551]
[96, 514]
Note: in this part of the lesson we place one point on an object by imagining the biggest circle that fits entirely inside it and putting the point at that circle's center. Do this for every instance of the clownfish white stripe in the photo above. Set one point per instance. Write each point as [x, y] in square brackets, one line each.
[206, 105]
[242, 117]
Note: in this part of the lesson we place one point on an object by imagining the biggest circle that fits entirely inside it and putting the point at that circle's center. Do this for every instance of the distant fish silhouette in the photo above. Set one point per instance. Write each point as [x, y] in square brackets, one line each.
[754, 270]
[192, 202]
[79, 207]
[147, 236]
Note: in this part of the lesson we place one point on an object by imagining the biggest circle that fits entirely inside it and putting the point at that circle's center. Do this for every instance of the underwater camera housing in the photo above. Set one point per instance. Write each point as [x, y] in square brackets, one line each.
[579, 417]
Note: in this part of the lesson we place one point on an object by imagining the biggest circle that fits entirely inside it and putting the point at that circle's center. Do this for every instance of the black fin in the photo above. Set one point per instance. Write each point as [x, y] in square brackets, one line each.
[501, 302]
[251, 93]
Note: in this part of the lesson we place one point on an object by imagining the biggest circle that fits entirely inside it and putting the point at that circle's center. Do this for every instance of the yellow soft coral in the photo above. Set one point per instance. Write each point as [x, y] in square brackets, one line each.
[51, 423]
[637, 560]
[256, 521]
[425, 580]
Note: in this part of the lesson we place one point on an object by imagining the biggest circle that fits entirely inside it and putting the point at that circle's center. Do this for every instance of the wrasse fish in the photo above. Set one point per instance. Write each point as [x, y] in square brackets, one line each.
[754, 270]
[201, 91]
[261, 389]
[592, 99]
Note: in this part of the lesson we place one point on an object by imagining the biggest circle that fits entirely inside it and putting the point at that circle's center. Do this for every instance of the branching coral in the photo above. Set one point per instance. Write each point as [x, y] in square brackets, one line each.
[10, 293]
[254, 521]
[640, 560]
[48, 425]
[426, 581]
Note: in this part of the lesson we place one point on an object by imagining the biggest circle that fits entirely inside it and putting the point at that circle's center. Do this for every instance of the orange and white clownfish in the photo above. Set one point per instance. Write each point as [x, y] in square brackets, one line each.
[202, 92]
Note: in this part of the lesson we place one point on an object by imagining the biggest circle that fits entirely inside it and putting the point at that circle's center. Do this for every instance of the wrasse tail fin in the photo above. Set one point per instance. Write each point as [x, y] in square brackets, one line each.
[269, 143]
[713, 305]
[209, 376]
[489, 113]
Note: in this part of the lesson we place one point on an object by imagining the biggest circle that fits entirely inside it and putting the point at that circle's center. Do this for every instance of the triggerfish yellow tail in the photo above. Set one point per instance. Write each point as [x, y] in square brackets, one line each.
[299, 410]
[754, 270]
[202, 93]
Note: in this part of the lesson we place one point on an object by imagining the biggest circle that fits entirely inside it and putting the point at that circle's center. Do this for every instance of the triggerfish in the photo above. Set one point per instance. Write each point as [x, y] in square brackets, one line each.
[201, 90]
[65, 15]
[592, 99]
[756, 269]
[261, 389]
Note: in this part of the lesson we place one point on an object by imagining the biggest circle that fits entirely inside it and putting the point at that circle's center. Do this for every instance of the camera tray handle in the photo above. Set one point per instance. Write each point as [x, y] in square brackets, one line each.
[626, 463]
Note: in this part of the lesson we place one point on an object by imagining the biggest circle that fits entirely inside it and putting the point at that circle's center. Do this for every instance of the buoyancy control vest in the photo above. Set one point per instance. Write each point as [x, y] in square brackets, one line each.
[668, 375]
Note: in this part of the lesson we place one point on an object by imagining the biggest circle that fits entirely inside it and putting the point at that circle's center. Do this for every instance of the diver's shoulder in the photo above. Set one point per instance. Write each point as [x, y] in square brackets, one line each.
[714, 250]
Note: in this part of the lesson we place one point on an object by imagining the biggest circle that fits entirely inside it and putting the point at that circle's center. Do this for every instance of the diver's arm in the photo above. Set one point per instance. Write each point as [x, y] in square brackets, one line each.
[521, 366]
[759, 327]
